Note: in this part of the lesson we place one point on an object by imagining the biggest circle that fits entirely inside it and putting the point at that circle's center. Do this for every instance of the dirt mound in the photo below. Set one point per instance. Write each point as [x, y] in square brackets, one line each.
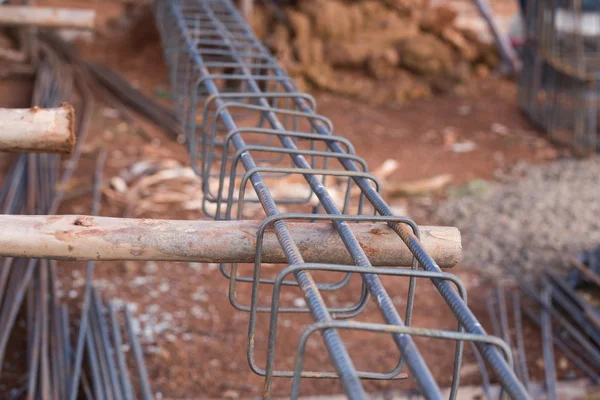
[377, 51]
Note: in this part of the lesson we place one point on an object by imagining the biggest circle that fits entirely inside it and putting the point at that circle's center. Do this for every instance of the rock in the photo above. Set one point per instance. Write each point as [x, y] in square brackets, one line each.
[383, 28]
[130, 267]
[151, 267]
[467, 50]
[231, 394]
[425, 55]
[383, 64]
[301, 27]
[261, 21]
[279, 43]
[464, 110]
[299, 302]
[316, 50]
[118, 184]
[437, 19]
[488, 53]
[348, 18]
[499, 129]
[482, 71]
[406, 8]
[347, 54]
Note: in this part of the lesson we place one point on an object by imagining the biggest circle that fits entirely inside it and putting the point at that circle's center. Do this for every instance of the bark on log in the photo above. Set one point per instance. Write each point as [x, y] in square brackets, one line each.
[37, 130]
[47, 17]
[76, 237]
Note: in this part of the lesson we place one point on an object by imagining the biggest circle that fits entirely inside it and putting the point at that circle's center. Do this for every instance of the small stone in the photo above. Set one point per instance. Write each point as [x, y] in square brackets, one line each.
[170, 337]
[540, 363]
[199, 296]
[118, 184]
[465, 110]
[110, 113]
[299, 302]
[198, 312]
[122, 127]
[150, 267]
[231, 394]
[195, 266]
[153, 308]
[449, 136]
[164, 287]
[499, 129]
[131, 267]
[464, 147]
[563, 363]
[108, 135]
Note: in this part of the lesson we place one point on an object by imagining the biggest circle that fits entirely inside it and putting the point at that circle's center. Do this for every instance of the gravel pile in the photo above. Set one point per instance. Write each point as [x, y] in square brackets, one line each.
[538, 218]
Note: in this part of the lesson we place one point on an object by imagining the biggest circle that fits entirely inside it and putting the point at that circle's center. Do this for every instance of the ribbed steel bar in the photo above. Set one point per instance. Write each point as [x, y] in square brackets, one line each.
[136, 348]
[118, 343]
[566, 348]
[522, 359]
[547, 343]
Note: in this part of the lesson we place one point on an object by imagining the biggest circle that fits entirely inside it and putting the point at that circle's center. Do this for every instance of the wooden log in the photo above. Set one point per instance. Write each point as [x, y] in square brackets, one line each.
[76, 237]
[37, 129]
[47, 17]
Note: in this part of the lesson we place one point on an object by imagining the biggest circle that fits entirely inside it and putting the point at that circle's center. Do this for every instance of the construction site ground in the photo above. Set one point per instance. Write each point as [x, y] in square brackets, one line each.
[195, 341]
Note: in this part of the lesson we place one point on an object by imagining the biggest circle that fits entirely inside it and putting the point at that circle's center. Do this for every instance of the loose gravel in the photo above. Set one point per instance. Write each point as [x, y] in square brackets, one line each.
[537, 218]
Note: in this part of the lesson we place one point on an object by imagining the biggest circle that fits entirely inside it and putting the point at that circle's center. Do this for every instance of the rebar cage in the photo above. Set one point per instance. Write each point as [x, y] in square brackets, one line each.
[561, 66]
[248, 131]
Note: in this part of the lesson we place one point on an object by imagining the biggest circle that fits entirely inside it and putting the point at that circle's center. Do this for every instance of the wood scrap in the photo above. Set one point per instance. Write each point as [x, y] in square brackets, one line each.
[46, 17]
[418, 187]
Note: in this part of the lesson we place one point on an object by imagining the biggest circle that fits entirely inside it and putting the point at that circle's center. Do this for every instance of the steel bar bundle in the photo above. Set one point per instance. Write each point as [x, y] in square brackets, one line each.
[248, 129]
[566, 320]
[117, 87]
[57, 364]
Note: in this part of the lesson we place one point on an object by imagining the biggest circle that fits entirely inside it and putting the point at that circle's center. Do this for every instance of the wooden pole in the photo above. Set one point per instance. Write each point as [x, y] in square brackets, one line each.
[47, 17]
[37, 129]
[73, 237]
